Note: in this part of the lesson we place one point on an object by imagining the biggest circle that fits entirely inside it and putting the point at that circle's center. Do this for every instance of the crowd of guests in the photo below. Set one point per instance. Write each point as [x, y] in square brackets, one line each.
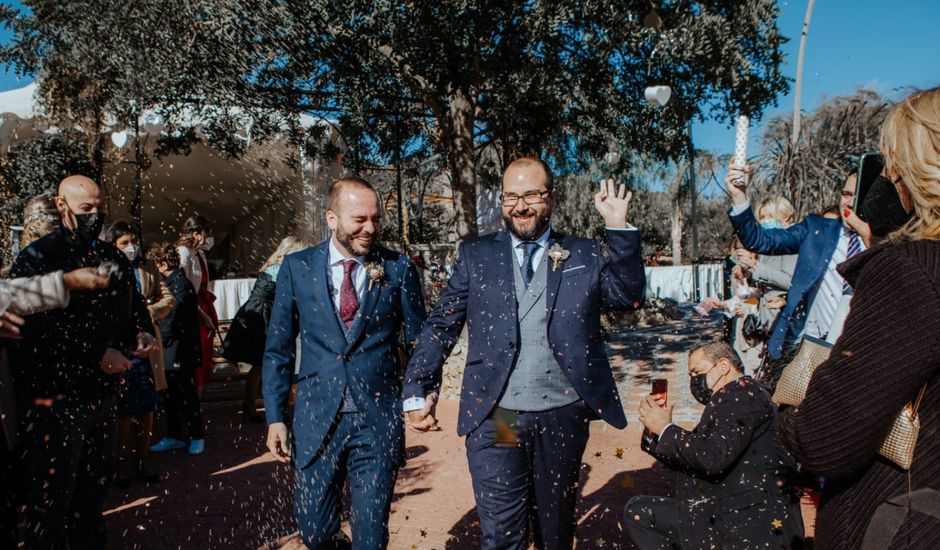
[97, 337]
[864, 281]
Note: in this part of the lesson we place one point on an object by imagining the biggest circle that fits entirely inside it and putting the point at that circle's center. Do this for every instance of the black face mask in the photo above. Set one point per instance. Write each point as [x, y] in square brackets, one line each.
[700, 390]
[89, 226]
[883, 209]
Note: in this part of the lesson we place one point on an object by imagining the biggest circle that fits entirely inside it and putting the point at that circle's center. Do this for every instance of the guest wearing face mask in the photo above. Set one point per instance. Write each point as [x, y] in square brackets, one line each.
[67, 369]
[192, 247]
[733, 487]
[138, 400]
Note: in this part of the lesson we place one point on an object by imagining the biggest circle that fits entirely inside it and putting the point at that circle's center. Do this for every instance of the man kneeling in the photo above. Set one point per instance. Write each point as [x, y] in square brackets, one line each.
[733, 485]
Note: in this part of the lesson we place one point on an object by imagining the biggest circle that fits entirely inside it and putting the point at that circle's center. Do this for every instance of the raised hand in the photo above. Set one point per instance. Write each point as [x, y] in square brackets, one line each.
[85, 278]
[736, 181]
[612, 204]
[425, 420]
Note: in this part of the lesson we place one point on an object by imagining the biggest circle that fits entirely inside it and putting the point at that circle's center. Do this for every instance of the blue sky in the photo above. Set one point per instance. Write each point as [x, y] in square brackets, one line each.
[886, 46]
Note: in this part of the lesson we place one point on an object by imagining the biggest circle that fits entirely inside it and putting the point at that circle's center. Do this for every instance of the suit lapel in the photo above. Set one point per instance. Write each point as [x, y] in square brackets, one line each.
[553, 276]
[369, 301]
[319, 277]
[504, 262]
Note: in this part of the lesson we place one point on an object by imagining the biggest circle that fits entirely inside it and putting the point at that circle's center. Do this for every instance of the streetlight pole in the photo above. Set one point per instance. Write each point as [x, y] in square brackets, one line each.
[799, 75]
[693, 194]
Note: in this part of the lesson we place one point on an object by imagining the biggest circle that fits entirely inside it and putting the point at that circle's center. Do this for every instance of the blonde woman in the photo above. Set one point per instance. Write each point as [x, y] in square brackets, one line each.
[888, 353]
[245, 340]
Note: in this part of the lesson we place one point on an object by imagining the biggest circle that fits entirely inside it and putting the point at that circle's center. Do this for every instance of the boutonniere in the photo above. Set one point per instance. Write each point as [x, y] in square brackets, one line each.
[375, 271]
[558, 254]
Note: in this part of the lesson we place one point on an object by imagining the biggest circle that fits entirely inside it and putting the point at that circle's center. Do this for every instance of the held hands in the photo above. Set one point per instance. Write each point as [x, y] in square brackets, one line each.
[114, 362]
[277, 442]
[425, 420]
[612, 204]
[655, 413]
[10, 325]
[85, 278]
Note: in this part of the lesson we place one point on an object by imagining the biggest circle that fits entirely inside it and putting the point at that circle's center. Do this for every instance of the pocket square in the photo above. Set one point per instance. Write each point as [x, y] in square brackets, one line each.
[573, 268]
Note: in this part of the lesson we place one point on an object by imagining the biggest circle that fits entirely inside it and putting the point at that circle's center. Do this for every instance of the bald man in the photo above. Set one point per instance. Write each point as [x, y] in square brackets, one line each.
[350, 300]
[67, 371]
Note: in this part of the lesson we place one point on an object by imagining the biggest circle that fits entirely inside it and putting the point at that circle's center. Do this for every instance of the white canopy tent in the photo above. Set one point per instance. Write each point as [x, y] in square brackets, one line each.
[253, 201]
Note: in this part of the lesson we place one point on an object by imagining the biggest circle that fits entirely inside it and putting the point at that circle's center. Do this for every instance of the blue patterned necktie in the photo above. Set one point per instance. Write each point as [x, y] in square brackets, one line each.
[854, 248]
[528, 249]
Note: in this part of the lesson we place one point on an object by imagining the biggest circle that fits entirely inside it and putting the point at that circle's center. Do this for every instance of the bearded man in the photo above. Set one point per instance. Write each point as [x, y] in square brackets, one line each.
[349, 300]
[537, 372]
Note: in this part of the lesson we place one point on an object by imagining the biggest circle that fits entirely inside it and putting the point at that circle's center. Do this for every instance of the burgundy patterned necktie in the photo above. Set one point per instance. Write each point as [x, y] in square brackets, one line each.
[348, 301]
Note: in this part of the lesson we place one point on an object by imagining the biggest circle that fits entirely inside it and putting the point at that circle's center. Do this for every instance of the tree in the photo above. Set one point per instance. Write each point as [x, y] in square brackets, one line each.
[557, 78]
[35, 167]
[831, 140]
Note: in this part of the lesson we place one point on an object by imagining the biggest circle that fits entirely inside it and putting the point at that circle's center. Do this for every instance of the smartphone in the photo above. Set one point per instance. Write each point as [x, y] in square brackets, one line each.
[660, 387]
[869, 168]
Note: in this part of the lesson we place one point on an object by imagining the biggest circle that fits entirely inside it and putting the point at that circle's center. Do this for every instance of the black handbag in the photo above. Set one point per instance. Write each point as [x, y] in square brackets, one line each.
[752, 329]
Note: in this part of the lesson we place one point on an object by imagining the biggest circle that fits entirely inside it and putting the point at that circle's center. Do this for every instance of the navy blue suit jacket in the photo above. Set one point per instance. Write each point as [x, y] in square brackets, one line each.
[481, 292]
[369, 361]
[815, 240]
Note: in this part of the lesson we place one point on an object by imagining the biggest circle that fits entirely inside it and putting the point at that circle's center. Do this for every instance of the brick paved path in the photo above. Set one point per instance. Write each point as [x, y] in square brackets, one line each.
[234, 496]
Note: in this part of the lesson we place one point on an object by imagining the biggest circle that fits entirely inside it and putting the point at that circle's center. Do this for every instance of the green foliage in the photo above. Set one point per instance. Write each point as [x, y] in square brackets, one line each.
[559, 78]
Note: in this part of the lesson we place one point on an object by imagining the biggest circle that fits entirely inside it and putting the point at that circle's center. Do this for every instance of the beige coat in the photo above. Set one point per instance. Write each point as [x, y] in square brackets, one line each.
[160, 302]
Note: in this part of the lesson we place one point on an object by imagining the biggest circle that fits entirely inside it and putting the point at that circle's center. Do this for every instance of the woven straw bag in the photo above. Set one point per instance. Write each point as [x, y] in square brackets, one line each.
[898, 447]
[791, 388]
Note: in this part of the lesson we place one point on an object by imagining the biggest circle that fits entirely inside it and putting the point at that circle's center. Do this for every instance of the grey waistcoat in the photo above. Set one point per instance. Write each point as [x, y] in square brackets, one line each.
[536, 382]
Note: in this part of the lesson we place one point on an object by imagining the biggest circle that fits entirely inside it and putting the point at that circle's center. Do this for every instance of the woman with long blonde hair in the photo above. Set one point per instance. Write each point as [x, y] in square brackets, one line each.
[40, 217]
[888, 357]
[245, 340]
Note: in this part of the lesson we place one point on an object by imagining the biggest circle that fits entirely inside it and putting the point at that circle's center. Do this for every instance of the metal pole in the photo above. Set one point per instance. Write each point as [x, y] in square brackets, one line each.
[799, 75]
[401, 204]
[693, 194]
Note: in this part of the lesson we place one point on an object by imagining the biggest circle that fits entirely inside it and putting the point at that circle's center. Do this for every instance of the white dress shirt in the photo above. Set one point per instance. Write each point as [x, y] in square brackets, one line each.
[823, 311]
[336, 260]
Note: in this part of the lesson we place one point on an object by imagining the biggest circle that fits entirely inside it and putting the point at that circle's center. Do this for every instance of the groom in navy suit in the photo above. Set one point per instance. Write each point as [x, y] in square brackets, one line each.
[349, 300]
[537, 372]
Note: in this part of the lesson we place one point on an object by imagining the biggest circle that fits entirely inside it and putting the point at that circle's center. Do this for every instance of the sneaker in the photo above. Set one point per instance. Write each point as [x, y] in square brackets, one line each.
[166, 444]
[197, 446]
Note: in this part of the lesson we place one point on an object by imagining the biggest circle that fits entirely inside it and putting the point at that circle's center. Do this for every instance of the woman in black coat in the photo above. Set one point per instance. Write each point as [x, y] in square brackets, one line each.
[889, 351]
[246, 337]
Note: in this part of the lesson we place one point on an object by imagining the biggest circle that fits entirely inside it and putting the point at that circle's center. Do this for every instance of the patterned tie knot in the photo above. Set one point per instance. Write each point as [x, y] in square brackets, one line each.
[349, 266]
[529, 247]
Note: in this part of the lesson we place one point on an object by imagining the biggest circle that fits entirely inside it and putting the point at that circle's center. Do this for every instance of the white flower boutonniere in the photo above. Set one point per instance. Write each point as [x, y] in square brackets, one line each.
[558, 254]
[375, 271]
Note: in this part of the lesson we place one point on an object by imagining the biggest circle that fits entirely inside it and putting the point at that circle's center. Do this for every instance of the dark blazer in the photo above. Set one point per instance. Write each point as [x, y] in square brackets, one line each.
[815, 240]
[247, 334]
[61, 350]
[889, 349]
[733, 475]
[481, 292]
[180, 328]
[368, 361]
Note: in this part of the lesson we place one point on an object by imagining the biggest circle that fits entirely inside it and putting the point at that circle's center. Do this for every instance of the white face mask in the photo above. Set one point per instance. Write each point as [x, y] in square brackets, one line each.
[130, 251]
[208, 244]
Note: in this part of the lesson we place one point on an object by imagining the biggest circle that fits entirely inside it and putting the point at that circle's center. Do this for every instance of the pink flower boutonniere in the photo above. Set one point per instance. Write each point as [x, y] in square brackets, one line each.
[558, 254]
[375, 271]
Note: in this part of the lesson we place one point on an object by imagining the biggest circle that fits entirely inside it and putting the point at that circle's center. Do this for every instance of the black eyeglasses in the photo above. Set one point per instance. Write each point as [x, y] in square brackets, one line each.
[529, 197]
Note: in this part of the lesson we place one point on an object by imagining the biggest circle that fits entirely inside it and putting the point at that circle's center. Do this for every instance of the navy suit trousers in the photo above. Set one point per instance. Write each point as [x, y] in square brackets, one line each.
[525, 467]
[351, 450]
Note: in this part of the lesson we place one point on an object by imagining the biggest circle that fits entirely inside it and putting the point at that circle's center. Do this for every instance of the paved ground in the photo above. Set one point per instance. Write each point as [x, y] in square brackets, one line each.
[234, 496]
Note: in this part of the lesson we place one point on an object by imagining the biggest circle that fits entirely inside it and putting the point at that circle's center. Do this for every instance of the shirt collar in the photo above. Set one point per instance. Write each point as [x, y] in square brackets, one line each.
[336, 256]
[542, 241]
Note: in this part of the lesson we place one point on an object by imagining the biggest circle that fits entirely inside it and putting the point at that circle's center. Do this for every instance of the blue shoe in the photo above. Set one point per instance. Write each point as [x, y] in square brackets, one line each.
[166, 444]
[197, 446]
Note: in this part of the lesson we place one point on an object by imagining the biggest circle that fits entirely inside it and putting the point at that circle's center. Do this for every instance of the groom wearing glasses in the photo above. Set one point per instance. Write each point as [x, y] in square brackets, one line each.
[536, 371]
